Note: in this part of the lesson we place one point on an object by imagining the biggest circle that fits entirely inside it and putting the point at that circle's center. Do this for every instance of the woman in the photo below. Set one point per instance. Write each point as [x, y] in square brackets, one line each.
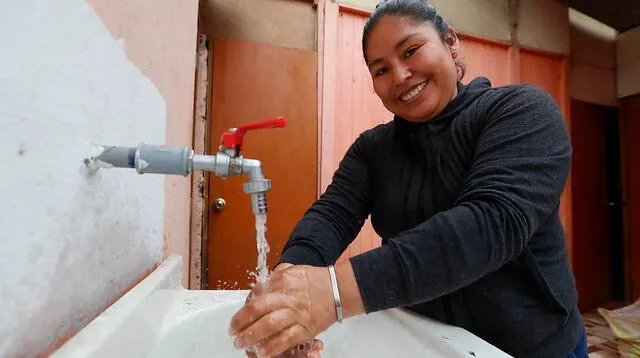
[463, 187]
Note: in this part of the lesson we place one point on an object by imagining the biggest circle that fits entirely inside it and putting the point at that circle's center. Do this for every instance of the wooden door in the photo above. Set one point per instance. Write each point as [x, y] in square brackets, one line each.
[544, 71]
[630, 114]
[485, 58]
[253, 82]
[353, 105]
[592, 243]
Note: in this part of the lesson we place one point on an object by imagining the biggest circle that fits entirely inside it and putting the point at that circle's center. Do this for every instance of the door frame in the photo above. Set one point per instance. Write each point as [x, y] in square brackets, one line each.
[198, 227]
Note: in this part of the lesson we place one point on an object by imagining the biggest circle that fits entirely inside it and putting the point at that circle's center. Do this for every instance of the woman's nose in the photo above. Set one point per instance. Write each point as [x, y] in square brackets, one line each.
[400, 74]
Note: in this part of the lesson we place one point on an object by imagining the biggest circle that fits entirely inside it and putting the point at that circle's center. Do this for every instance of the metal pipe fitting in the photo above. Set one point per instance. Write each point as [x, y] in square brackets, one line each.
[159, 159]
[257, 185]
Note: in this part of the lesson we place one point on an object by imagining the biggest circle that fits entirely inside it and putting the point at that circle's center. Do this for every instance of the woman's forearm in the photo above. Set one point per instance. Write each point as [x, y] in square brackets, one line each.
[350, 297]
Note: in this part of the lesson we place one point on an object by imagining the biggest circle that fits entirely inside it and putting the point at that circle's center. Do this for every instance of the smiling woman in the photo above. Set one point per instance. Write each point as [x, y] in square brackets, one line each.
[463, 187]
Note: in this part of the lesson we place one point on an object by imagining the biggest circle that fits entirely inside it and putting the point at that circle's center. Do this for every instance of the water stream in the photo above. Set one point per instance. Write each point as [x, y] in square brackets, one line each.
[263, 275]
[263, 249]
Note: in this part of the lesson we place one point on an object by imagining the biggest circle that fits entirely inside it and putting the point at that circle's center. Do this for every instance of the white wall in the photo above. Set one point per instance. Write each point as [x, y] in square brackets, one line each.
[593, 60]
[160, 39]
[628, 59]
[70, 242]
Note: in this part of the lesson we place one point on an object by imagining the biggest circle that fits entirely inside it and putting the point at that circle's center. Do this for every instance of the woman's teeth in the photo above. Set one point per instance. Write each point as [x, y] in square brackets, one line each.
[411, 95]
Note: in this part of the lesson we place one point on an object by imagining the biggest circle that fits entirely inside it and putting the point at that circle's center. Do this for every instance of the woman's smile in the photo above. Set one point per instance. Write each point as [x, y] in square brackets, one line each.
[413, 94]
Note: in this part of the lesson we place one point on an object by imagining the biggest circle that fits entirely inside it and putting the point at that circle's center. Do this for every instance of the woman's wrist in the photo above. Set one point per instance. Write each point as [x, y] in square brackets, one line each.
[350, 298]
[282, 266]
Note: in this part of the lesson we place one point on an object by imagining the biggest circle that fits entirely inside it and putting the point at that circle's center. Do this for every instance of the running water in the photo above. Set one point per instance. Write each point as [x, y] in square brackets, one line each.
[262, 276]
[263, 248]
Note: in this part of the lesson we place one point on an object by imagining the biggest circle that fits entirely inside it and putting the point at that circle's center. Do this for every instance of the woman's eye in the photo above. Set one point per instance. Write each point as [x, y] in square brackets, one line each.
[381, 71]
[410, 51]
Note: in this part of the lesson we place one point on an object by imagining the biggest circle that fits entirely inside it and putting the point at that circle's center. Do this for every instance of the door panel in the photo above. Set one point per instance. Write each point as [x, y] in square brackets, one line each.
[357, 108]
[485, 59]
[591, 249]
[630, 113]
[253, 82]
[543, 71]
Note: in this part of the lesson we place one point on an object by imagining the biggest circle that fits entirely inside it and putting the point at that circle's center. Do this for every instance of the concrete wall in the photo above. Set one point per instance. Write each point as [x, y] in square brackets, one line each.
[628, 60]
[160, 39]
[544, 24]
[283, 23]
[73, 242]
[486, 18]
[593, 60]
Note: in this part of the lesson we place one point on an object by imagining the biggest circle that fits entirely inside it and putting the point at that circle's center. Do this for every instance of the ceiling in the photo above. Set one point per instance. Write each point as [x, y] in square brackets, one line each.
[622, 15]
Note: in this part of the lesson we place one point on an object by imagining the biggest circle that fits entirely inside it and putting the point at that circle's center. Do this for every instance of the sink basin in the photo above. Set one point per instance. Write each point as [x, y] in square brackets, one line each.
[159, 318]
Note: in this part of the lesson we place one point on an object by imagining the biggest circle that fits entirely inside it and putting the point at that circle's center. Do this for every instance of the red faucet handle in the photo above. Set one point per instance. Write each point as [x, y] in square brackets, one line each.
[269, 123]
[235, 139]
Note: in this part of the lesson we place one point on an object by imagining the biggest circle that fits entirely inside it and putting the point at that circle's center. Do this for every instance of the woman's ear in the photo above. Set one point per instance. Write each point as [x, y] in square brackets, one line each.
[451, 39]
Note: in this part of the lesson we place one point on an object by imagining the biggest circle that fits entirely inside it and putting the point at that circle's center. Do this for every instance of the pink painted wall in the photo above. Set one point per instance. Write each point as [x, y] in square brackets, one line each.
[160, 38]
[351, 105]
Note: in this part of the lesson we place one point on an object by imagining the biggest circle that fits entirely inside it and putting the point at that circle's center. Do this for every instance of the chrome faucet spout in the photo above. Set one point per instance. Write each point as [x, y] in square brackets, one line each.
[257, 185]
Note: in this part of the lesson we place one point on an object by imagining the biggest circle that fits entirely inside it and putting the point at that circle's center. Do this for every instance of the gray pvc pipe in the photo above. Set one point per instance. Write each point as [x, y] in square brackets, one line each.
[152, 159]
[119, 157]
[159, 159]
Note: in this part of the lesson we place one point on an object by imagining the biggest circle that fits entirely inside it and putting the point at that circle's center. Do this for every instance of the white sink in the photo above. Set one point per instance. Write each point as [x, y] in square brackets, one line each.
[159, 318]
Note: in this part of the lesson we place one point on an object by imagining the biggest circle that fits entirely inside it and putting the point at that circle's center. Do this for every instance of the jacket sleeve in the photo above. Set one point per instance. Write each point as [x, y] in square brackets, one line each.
[514, 183]
[335, 219]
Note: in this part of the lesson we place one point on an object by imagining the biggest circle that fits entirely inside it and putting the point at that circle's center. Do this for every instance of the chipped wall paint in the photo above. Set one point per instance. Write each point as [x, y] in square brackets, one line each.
[628, 61]
[70, 242]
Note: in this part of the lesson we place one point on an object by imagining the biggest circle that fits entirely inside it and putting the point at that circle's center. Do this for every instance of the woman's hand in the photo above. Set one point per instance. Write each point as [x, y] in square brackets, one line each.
[308, 350]
[291, 308]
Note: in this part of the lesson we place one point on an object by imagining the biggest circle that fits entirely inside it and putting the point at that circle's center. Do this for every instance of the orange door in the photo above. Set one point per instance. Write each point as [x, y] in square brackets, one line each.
[485, 58]
[544, 71]
[353, 106]
[253, 82]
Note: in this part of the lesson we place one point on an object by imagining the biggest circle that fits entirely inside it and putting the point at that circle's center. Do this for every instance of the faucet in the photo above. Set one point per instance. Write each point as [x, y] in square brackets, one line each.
[160, 159]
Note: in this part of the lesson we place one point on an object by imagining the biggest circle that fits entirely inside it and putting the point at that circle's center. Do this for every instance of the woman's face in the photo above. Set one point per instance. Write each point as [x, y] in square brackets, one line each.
[413, 70]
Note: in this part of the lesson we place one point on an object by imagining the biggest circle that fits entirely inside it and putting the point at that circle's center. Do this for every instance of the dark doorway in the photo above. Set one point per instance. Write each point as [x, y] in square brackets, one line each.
[598, 249]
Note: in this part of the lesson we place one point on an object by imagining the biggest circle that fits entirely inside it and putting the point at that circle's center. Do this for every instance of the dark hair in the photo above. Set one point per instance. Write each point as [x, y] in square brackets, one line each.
[418, 10]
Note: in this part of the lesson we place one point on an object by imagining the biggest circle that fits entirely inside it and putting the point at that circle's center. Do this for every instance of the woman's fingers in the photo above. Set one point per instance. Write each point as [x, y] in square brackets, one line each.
[292, 307]
[310, 350]
[275, 321]
[255, 308]
[282, 341]
[317, 345]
